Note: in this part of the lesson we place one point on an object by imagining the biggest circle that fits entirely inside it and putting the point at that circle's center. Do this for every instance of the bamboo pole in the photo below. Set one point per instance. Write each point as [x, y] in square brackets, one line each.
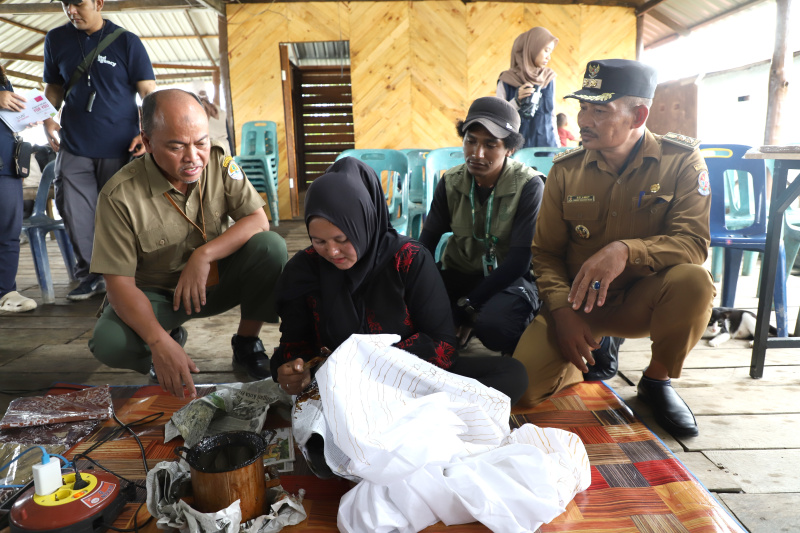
[778, 74]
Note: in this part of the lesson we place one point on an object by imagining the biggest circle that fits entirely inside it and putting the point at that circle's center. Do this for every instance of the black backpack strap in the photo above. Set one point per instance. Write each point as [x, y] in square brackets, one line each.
[87, 61]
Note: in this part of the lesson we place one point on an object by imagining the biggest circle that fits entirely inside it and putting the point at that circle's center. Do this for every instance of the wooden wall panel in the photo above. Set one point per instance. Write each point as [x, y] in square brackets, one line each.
[491, 29]
[380, 57]
[415, 66]
[438, 72]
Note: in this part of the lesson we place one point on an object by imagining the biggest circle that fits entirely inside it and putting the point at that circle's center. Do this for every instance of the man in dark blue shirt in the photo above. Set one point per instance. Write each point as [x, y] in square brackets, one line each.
[99, 130]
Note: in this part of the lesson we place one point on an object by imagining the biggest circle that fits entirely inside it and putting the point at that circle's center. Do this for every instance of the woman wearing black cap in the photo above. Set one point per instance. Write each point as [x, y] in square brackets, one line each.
[490, 203]
[529, 85]
[360, 276]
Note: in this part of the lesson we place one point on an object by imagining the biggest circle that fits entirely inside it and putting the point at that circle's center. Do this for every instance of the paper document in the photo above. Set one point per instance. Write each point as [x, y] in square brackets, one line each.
[37, 109]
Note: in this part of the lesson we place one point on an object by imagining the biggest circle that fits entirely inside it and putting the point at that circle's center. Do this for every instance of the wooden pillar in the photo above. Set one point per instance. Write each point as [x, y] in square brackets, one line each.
[639, 36]
[215, 79]
[778, 75]
[225, 74]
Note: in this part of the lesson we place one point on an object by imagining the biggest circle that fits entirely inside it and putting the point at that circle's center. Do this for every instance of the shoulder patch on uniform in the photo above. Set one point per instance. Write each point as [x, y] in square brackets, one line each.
[227, 161]
[233, 170]
[681, 140]
[568, 153]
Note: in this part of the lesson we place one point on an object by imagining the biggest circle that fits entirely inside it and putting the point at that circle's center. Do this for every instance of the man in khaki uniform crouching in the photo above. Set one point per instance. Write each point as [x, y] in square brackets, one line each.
[164, 247]
[619, 245]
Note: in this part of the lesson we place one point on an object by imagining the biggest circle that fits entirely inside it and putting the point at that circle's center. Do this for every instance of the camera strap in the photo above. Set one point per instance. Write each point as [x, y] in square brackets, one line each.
[83, 68]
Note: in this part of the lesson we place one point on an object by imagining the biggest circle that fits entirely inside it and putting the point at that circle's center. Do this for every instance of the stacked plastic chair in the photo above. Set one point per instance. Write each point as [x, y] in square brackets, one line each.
[37, 226]
[420, 190]
[538, 158]
[734, 239]
[259, 160]
[392, 169]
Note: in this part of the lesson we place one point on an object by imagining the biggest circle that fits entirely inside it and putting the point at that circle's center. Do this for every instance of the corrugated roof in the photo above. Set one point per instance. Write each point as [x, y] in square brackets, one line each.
[185, 33]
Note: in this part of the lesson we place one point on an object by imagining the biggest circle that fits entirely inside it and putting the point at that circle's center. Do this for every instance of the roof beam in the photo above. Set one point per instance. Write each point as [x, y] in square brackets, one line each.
[23, 76]
[669, 38]
[199, 39]
[23, 26]
[168, 37]
[114, 6]
[647, 6]
[40, 59]
[681, 30]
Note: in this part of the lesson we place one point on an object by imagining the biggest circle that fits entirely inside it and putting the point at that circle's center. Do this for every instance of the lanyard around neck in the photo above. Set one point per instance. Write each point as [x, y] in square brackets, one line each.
[190, 221]
[488, 239]
[96, 52]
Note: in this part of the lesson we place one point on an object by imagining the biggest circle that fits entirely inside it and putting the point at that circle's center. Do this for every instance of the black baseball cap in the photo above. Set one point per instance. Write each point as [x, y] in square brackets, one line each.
[605, 80]
[494, 114]
[76, 2]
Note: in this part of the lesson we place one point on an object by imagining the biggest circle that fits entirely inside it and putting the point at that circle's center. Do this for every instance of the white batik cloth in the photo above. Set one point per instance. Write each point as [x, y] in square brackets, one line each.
[429, 445]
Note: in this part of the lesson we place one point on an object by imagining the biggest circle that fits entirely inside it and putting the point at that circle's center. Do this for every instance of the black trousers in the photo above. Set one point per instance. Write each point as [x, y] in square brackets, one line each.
[503, 318]
[505, 374]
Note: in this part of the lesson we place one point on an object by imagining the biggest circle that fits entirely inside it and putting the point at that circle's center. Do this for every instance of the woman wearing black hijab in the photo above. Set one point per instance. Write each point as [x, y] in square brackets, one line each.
[360, 276]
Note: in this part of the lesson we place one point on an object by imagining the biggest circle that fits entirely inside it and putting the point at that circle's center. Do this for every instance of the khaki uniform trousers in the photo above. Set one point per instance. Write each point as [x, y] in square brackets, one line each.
[672, 307]
[247, 278]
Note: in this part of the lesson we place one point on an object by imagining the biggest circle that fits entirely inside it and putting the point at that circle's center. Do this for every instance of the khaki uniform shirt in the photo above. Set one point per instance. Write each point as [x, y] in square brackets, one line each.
[658, 207]
[139, 233]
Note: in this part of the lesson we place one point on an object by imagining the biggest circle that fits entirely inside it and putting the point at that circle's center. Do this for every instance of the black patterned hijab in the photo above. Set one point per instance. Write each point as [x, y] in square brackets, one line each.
[349, 196]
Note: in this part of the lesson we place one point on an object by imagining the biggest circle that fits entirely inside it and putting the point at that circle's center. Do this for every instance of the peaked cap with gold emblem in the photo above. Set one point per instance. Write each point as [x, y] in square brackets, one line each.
[605, 80]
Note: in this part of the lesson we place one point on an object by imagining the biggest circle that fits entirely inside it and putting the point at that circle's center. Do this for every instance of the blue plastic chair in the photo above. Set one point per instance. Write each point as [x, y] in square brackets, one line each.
[437, 162]
[392, 169]
[538, 158]
[728, 157]
[37, 226]
[420, 192]
[258, 157]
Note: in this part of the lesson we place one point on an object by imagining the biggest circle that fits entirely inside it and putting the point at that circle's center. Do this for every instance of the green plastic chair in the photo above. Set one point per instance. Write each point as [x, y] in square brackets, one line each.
[440, 160]
[420, 192]
[437, 162]
[538, 158]
[392, 169]
[258, 157]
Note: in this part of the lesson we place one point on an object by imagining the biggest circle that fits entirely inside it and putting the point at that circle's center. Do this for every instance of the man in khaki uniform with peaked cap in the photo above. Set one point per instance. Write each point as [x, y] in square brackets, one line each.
[165, 250]
[619, 246]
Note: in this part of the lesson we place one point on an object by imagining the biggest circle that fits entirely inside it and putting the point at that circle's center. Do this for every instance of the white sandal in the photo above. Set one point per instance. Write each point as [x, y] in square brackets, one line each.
[14, 302]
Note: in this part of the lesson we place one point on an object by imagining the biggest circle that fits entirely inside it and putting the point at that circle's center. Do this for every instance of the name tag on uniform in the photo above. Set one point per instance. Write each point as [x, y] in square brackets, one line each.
[588, 198]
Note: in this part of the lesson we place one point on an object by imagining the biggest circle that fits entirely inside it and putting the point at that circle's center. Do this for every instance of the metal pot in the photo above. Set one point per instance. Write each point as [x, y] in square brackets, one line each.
[225, 468]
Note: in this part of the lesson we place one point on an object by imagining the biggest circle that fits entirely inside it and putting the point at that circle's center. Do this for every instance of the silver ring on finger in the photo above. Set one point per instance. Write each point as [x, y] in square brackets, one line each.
[595, 285]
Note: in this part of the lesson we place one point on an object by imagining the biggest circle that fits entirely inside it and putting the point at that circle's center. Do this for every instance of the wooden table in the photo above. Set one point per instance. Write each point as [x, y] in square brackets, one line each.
[783, 194]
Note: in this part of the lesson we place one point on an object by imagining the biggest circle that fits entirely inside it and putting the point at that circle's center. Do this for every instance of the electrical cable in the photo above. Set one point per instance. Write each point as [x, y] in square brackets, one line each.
[113, 435]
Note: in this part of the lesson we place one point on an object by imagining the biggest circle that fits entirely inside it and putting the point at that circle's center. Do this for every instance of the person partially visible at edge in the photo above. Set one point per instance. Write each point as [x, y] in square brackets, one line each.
[530, 86]
[620, 244]
[167, 254]
[360, 276]
[217, 121]
[490, 204]
[564, 135]
[99, 130]
[10, 206]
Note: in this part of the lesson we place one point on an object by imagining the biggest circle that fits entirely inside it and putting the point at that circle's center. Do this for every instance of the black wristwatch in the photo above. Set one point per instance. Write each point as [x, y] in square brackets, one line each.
[465, 304]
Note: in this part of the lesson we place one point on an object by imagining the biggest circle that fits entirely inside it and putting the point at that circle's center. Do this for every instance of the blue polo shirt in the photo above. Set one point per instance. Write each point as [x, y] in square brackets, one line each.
[7, 143]
[108, 130]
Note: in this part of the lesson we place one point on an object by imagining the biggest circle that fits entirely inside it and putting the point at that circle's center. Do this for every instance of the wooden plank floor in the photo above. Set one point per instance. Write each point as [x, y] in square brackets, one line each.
[747, 453]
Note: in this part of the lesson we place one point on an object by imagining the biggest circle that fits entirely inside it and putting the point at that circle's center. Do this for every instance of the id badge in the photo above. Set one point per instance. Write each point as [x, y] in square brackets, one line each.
[489, 263]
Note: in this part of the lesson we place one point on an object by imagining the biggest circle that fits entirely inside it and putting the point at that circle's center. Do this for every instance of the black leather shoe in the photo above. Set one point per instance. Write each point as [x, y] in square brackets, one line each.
[179, 335]
[249, 353]
[669, 409]
[605, 360]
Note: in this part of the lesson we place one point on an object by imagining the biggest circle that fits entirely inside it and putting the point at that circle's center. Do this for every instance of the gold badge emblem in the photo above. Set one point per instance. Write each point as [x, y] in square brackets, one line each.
[593, 70]
[655, 188]
[226, 161]
[582, 231]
